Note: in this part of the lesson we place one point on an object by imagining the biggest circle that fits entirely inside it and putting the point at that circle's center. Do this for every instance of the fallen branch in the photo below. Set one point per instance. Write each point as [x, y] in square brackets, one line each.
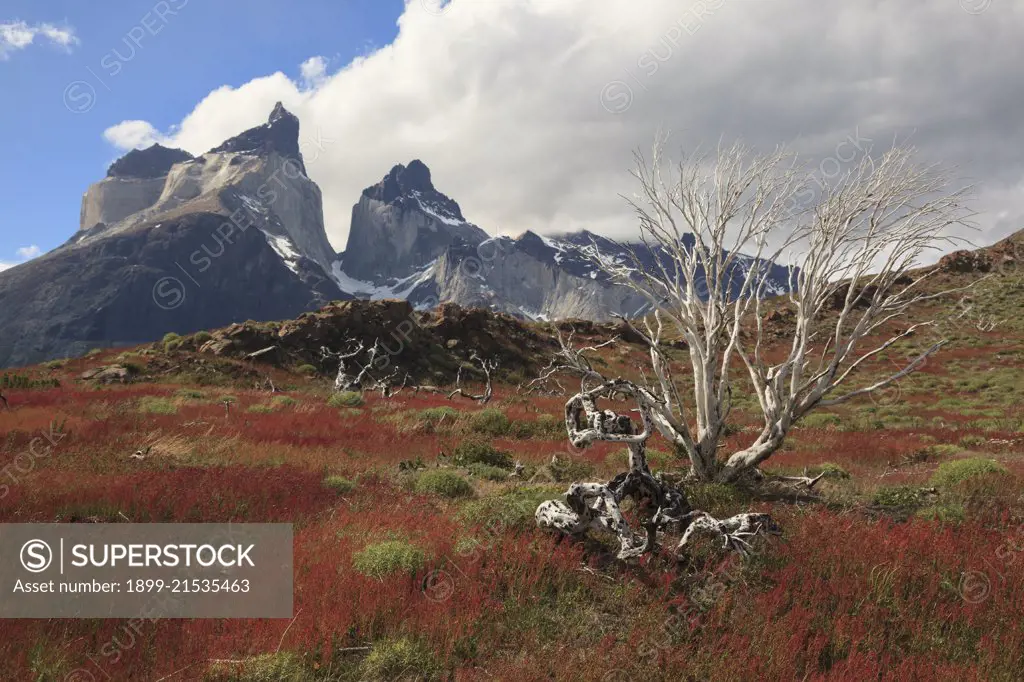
[487, 366]
[805, 480]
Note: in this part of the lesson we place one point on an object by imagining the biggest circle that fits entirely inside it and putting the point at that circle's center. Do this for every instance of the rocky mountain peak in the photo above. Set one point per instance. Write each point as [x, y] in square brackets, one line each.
[279, 134]
[412, 185]
[152, 162]
[280, 113]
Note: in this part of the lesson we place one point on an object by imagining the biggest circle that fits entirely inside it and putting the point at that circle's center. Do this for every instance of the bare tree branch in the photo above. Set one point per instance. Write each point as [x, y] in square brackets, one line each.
[487, 366]
[715, 229]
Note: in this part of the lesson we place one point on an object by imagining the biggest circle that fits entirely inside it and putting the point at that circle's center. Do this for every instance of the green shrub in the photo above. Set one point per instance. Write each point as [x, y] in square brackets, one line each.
[154, 405]
[443, 483]
[830, 470]
[432, 416]
[551, 426]
[513, 509]
[346, 399]
[898, 497]
[476, 451]
[971, 441]
[490, 422]
[959, 470]
[21, 381]
[820, 421]
[260, 409]
[400, 658]
[171, 342]
[339, 484]
[199, 338]
[488, 472]
[715, 498]
[939, 450]
[390, 556]
[308, 370]
[946, 512]
[55, 364]
[282, 401]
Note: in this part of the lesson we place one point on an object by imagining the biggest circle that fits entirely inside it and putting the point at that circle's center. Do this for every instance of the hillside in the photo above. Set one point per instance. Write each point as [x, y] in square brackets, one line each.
[416, 553]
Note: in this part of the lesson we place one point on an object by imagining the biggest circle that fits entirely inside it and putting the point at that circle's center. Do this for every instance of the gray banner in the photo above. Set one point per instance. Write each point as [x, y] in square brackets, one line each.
[146, 570]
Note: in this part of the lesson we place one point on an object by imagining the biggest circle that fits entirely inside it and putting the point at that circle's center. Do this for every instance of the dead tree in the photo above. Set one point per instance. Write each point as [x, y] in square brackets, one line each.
[365, 379]
[719, 226]
[6, 405]
[343, 381]
[487, 367]
[663, 506]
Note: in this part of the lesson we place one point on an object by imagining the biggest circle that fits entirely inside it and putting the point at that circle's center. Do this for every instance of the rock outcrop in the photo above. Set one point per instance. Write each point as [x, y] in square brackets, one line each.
[426, 345]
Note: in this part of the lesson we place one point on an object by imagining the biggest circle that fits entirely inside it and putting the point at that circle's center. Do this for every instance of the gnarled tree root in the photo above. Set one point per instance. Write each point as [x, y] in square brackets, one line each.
[596, 506]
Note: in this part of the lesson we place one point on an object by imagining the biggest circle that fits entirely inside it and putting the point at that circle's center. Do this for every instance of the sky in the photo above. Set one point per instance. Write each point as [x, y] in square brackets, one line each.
[527, 111]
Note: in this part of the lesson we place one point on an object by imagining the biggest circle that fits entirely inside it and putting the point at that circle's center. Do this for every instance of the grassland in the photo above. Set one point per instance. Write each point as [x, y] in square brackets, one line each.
[417, 558]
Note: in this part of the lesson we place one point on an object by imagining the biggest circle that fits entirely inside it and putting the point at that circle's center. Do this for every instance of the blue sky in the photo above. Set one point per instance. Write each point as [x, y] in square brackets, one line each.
[53, 154]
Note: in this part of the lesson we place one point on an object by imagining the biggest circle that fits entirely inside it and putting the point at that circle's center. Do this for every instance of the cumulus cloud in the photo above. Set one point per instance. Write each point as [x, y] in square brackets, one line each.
[134, 135]
[29, 252]
[528, 112]
[17, 35]
[313, 71]
[25, 253]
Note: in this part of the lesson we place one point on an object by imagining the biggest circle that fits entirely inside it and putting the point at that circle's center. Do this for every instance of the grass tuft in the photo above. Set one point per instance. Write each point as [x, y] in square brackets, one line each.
[390, 556]
[443, 483]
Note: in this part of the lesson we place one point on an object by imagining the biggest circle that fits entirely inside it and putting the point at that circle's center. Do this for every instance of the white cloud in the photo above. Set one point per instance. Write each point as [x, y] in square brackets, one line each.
[313, 71]
[17, 35]
[134, 135]
[508, 102]
[29, 252]
[25, 253]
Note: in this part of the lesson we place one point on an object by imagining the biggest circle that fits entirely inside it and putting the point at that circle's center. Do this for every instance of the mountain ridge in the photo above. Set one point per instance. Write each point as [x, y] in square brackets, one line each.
[171, 242]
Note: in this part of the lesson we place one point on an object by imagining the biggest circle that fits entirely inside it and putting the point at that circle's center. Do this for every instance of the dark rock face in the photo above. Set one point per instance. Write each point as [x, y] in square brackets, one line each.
[279, 134]
[175, 244]
[404, 183]
[410, 241]
[152, 162]
[131, 289]
[401, 225]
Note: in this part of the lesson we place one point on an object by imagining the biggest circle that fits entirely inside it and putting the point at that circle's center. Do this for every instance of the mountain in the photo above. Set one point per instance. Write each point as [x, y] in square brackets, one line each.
[170, 242]
[410, 241]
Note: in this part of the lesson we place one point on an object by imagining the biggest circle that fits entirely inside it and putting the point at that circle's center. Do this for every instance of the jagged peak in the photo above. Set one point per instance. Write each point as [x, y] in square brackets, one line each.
[154, 161]
[413, 182]
[280, 113]
[279, 134]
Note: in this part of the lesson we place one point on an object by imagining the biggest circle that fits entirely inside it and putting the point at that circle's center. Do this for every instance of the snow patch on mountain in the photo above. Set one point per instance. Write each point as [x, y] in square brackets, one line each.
[400, 289]
[284, 248]
[436, 211]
